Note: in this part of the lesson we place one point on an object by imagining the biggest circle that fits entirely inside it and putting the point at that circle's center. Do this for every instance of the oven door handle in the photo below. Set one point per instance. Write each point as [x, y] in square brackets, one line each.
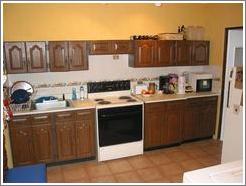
[119, 114]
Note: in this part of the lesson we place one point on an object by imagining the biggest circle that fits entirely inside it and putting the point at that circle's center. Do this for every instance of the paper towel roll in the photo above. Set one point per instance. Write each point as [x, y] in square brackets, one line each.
[181, 85]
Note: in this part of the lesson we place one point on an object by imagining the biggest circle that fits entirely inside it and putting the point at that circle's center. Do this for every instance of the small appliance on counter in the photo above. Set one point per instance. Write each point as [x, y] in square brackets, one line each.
[201, 82]
[168, 84]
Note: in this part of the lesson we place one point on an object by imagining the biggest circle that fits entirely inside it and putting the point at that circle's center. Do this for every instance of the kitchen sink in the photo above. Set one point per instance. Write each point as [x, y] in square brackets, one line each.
[51, 104]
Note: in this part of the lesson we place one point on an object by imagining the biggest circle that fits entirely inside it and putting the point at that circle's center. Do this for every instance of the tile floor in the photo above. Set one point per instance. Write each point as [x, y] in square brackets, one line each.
[165, 165]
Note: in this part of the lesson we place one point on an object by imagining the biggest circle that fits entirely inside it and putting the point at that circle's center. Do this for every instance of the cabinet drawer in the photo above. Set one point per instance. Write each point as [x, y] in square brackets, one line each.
[20, 121]
[65, 116]
[84, 114]
[41, 119]
[153, 107]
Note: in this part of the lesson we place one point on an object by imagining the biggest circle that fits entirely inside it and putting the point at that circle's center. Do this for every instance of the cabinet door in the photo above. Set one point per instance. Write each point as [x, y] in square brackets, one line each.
[100, 47]
[200, 53]
[85, 133]
[183, 53]
[58, 56]
[65, 138]
[121, 47]
[173, 122]
[36, 56]
[191, 125]
[145, 53]
[42, 142]
[208, 113]
[153, 125]
[22, 146]
[15, 56]
[78, 55]
[165, 53]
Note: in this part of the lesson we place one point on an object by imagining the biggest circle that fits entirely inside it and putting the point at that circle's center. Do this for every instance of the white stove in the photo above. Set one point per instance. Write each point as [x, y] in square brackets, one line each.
[119, 119]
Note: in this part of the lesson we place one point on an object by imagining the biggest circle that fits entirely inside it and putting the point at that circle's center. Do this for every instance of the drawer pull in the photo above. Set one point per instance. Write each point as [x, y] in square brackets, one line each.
[83, 113]
[94, 47]
[20, 119]
[41, 117]
[115, 46]
[63, 115]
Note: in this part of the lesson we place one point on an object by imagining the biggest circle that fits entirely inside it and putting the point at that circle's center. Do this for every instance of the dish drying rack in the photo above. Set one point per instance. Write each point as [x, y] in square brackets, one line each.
[21, 107]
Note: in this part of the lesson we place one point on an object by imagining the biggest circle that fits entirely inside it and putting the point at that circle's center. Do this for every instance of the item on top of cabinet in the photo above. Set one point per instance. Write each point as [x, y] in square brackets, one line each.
[22, 85]
[20, 96]
[144, 37]
[74, 96]
[82, 93]
[195, 33]
[181, 85]
[139, 88]
[152, 88]
[171, 36]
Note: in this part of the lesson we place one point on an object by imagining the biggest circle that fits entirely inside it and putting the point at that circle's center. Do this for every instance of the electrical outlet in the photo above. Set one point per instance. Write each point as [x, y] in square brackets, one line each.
[115, 57]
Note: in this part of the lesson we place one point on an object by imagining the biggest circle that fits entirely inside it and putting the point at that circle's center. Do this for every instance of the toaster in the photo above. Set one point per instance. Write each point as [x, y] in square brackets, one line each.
[139, 87]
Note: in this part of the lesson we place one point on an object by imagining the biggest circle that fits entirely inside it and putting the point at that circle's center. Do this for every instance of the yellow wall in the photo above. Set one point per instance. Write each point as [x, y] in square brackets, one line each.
[117, 21]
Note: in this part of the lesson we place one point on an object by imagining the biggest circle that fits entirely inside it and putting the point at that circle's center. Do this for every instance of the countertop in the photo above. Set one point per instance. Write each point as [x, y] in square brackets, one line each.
[74, 105]
[159, 97]
[224, 173]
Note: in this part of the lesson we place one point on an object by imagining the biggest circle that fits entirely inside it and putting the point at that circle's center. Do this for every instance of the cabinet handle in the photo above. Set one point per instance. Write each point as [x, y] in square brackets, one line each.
[115, 46]
[23, 133]
[43, 130]
[20, 119]
[41, 117]
[63, 115]
[94, 47]
[228, 95]
[83, 113]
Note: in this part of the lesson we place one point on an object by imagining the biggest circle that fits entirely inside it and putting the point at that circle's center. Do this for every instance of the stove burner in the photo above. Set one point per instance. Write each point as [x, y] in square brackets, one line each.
[104, 102]
[131, 100]
[125, 97]
[99, 99]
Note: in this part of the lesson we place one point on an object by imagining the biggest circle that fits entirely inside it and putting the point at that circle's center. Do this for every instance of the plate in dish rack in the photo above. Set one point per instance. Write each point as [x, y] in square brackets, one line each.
[147, 95]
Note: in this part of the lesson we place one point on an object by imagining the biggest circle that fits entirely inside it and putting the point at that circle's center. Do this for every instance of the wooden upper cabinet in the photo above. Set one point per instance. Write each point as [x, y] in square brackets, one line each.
[183, 53]
[36, 56]
[122, 47]
[100, 47]
[144, 53]
[78, 59]
[200, 53]
[165, 53]
[15, 56]
[58, 56]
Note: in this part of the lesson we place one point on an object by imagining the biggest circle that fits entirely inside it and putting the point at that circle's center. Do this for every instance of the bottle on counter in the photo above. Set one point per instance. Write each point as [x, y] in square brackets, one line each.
[74, 96]
[82, 93]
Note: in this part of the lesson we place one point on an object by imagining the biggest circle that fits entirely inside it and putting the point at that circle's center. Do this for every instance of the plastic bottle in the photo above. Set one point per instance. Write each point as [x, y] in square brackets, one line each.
[82, 93]
[74, 96]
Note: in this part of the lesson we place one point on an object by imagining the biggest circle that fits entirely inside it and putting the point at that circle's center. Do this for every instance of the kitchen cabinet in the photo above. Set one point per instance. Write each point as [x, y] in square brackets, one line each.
[25, 57]
[163, 123]
[199, 118]
[67, 56]
[53, 137]
[144, 56]
[21, 143]
[42, 138]
[200, 53]
[102, 47]
[160, 53]
[183, 53]
[85, 135]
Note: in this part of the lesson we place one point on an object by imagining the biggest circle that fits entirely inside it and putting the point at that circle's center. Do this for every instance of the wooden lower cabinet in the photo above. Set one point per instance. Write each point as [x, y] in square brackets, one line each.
[173, 122]
[39, 138]
[163, 123]
[65, 140]
[22, 147]
[42, 143]
[200, 118]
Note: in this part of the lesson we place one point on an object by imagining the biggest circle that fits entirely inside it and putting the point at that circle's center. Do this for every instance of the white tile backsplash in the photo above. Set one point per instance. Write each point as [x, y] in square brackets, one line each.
[101, 68]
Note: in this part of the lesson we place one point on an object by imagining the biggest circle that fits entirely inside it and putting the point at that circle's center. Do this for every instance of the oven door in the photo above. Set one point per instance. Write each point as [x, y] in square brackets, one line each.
[119, 125]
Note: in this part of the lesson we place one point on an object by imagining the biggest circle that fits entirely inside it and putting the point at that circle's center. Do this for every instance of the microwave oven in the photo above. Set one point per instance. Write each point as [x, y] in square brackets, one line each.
[201, 82]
